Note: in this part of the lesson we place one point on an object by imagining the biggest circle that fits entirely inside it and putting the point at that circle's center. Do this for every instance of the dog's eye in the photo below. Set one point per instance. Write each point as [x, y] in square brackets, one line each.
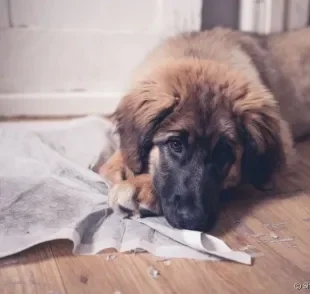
[176, 145]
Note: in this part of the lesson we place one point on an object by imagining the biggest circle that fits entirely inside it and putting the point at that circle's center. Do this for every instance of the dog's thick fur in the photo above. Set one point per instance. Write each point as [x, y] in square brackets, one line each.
[240, 100]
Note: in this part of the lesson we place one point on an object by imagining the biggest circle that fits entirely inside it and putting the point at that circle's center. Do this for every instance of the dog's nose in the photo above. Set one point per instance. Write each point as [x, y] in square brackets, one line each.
[181, 200]
[177, 198]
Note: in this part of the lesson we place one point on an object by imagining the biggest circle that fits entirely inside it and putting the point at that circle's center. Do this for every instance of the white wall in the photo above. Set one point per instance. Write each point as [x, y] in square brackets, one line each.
[66, 57]
[61, 57]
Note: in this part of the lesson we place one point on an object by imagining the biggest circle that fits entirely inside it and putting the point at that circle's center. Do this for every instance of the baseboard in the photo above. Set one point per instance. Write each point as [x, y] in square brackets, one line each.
[58, 104]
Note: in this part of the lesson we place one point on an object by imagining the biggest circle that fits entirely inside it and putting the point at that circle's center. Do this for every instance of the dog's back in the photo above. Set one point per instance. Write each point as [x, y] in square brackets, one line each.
[289, 79]
[279, 62]
[218, 44]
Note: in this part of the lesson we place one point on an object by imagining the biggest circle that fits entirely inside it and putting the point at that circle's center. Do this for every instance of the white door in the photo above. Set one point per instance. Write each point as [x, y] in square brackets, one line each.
[271, 16]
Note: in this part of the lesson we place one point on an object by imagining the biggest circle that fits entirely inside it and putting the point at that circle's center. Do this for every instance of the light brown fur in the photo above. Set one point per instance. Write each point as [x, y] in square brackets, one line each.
[263, 81]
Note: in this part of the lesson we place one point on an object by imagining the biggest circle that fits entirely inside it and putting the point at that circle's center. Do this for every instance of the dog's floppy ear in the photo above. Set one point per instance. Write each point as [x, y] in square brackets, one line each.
[263, 152]
[137, 117]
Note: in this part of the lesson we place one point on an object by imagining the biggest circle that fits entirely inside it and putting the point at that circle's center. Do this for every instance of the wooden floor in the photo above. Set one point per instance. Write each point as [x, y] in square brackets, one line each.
[274, 228]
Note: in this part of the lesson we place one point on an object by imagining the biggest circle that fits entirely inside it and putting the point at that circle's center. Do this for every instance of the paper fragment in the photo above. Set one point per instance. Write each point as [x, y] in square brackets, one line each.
[153, 272]
[110, 257]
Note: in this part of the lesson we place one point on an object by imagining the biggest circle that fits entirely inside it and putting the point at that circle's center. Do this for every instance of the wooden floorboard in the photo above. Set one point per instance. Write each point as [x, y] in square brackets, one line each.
[32, 272]
[276, 228]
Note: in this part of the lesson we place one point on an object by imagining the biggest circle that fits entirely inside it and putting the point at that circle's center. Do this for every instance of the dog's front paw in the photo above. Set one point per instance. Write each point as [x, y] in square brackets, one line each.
[115, 170]
[123, 196]
[134, 196]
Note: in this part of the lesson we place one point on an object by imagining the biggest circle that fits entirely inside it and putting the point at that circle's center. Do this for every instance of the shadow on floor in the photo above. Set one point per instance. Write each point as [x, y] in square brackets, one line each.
[241, 202]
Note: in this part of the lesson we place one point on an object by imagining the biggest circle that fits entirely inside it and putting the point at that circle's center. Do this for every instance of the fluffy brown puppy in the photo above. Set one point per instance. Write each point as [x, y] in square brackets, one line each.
[207, 111]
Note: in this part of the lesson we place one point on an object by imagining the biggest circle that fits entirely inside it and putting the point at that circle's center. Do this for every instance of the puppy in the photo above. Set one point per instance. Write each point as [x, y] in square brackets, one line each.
[207, 111]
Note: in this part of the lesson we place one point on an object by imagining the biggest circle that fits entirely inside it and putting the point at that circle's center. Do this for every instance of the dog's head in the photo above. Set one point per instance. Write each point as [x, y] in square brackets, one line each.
[199, 128]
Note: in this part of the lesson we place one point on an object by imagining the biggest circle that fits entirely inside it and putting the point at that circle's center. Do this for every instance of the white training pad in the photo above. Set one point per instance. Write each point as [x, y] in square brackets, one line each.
[48, 192]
